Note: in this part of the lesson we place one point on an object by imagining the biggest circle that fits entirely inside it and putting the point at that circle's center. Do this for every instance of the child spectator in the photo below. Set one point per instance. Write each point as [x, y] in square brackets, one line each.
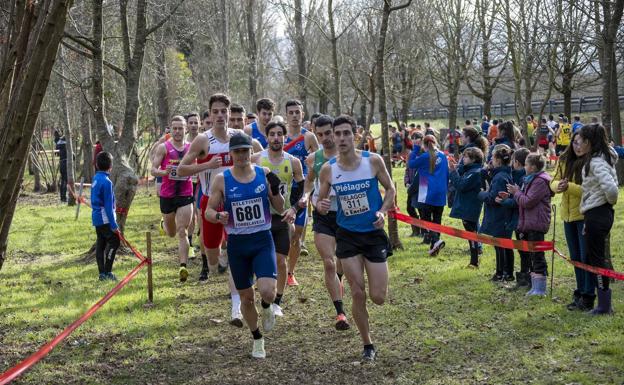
[600, 193]
[567, 181]
[432, 168]
[497, 219]
[466, 178]
[103, 217]
[533, 201]
[412, 188]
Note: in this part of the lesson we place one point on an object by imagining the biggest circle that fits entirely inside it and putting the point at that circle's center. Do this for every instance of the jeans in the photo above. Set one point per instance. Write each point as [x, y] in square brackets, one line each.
[585, 284]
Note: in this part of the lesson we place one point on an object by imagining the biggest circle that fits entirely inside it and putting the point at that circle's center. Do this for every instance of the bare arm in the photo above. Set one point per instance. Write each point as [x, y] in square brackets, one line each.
[157, 157]
[323, 203]
[257, 147]
[311, 143]
[309, 181]
[216, 200]
[198, 149]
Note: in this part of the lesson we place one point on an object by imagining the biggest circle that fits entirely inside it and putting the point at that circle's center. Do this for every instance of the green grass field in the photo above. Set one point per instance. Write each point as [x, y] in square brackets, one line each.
[441, 324]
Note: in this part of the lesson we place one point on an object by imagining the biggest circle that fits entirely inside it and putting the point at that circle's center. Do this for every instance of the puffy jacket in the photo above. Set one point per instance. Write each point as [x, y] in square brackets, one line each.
[534, 204]
[570, 199]
[432, 187]
[467, 183]
[601, 185]
[497, 218]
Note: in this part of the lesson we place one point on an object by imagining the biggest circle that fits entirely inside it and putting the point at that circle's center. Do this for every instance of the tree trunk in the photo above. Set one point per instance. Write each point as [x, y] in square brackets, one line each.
[373, 95]
[25, 66]
[566, 88]
[225, 49]
[253, 53]
[453, 92]
[163, 95]
[87, 142]
[301, 56]
[69, 145]
[334, 51]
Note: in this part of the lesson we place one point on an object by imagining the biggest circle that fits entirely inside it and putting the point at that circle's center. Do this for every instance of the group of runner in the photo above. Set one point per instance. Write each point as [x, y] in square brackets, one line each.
[256, 181]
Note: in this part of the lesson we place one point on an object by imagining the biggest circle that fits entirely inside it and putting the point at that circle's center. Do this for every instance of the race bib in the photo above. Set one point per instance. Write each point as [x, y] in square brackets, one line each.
[248, 213]
[354, 204]
[283, 189]
[173, 175]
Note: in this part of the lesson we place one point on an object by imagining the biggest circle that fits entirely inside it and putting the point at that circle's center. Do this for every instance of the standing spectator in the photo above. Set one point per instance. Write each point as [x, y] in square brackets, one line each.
[453, 140]
[410, 179]
[61, 150]
[562, 135]
[432, 168]
[530, 130]
[576, 125]
[600, 193]
[485, 125]
[493, 131]
[533, 201]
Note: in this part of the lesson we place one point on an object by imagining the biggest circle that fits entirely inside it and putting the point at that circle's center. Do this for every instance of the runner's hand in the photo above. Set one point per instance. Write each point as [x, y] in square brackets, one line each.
[381, 218]
[323, 206]
[224, 216]
[167, 170]
[290, 215]
[303, 202]
[215, 162]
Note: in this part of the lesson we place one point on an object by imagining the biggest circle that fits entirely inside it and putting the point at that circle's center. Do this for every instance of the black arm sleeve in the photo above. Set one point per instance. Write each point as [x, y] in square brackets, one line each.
[296, 192]
[274, 182]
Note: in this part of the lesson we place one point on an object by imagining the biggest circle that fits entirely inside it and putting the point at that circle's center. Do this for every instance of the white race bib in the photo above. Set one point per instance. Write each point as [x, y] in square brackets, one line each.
[248, 213]
[173, 175]
[354, 204]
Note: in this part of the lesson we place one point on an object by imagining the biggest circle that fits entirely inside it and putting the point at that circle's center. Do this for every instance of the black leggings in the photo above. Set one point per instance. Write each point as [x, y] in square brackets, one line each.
[432, 214]
[474, 246]
[105, 248]
[504, 261]
[598, 223]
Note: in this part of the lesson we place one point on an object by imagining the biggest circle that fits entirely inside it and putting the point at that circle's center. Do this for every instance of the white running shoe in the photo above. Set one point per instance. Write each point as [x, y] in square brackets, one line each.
[268, 318]
[237, 317]
[258, 349]
[277, 309]
[439, 245]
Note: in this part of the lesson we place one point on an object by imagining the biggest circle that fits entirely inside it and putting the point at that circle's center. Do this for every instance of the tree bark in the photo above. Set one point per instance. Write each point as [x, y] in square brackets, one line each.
[163, 94]
[225, 48]
[87, 142]
[300, 49]
[333, 40]
[252, 53]
[69, 146]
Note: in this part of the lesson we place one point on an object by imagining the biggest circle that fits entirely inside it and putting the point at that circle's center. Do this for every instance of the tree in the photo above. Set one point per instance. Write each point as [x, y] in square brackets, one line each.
[32, 32]
[387, 9]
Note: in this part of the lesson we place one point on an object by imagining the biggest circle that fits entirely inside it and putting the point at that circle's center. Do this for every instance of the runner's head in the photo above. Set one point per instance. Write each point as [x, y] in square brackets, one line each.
[313, 120]
[251, 117]
[324, 131]
[178, 128]
[344, 133]
[275, 132]
[240, 150]
[206, 121]
[104, 161]
[294, 113]
[192, 122]
[219, 107]
[237, 117]
[265, 108]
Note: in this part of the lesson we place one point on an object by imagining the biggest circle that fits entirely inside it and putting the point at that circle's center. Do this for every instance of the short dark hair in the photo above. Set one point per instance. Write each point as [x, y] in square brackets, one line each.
[537, 160]
[191, 114]
[274, 124]
[104, 161]
[251, 115]
[223, 98]
[293, 102]
[468, 122]
[577, 118]
[205, 114]
[520, 155]
[475, 154]
[314, 117]
[342, 119]
[323, 120]
[237, 109]
[265, 104]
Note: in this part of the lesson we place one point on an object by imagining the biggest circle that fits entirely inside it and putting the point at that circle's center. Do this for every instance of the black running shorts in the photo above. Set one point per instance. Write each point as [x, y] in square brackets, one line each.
[373, 245]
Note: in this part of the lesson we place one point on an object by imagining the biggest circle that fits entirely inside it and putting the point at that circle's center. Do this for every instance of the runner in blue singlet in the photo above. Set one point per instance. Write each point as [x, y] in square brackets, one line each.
[361, 243]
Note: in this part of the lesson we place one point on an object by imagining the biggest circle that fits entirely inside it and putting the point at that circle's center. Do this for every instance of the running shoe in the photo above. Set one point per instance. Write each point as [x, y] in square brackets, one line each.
[342, 323]
[268, 319]
[471, 266]
[222, 269]
[496, 278]
[191, 252]
[183, 274]
[237, 318]
[304, 252]
[369, 354]
[162, 226]
[277, 309]
[203, 276]
[292, 281]
[111, 276]
[258, 349]
[439, 245]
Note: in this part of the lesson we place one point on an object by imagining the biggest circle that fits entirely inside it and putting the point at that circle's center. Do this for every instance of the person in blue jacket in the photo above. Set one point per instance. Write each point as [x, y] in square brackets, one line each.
[103, 217]
[498, 219]
[506, 135]
[432, 169]
[466, 178]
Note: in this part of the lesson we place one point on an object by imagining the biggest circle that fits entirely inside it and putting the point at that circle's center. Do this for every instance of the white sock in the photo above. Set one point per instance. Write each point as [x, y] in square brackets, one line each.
[236, 303]
[213, 269]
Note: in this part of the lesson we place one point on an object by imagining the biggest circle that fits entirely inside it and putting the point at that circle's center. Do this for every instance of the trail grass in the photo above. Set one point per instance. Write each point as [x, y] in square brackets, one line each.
[441, 324]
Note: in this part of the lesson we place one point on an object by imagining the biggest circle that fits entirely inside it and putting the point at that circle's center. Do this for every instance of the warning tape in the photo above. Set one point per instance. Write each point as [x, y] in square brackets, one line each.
[26, 364]
[531, 246]
[594, 269]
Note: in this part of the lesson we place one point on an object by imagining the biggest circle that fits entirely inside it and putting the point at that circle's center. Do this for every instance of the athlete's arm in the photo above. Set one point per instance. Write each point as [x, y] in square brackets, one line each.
[384, 178]
[215, 200]
[255, 158]
[323, 204]
[157, 158]
[248, 130]
[257, 147]
[308, 186]
[198, 149]
[310, 141]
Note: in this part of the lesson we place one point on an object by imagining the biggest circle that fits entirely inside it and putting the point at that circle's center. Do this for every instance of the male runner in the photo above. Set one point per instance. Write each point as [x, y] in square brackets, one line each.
[239, 121]
[325, 226]
[192, 123]
[206, 122]
[265, 108]
[176, 193]
[289, 170]
[211, 151]
[361, 243]
[300, 143]
[239, 200]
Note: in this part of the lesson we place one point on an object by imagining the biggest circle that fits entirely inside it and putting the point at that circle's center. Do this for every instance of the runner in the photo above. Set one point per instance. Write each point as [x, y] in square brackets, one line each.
[361, 243]
[239, 200]
[325, 226]
[289, 170]
[300, 143]
[192, 123]
[176, 194]
[206, 122]
[265, 108]
[211, 152]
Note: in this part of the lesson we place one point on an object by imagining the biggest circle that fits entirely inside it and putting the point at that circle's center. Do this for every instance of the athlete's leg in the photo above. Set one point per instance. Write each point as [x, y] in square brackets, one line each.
[354, 271]
[169, 224]
[377, 273]
[295, 249]
[282, 272]
[248, 308]
[183, 218]
[326, 246]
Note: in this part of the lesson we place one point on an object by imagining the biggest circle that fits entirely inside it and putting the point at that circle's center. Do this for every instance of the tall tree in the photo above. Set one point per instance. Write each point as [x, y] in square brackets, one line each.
[32, 32]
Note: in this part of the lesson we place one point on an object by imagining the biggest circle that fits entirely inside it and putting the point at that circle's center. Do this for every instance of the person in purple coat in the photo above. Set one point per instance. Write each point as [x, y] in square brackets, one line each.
[533, 200]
